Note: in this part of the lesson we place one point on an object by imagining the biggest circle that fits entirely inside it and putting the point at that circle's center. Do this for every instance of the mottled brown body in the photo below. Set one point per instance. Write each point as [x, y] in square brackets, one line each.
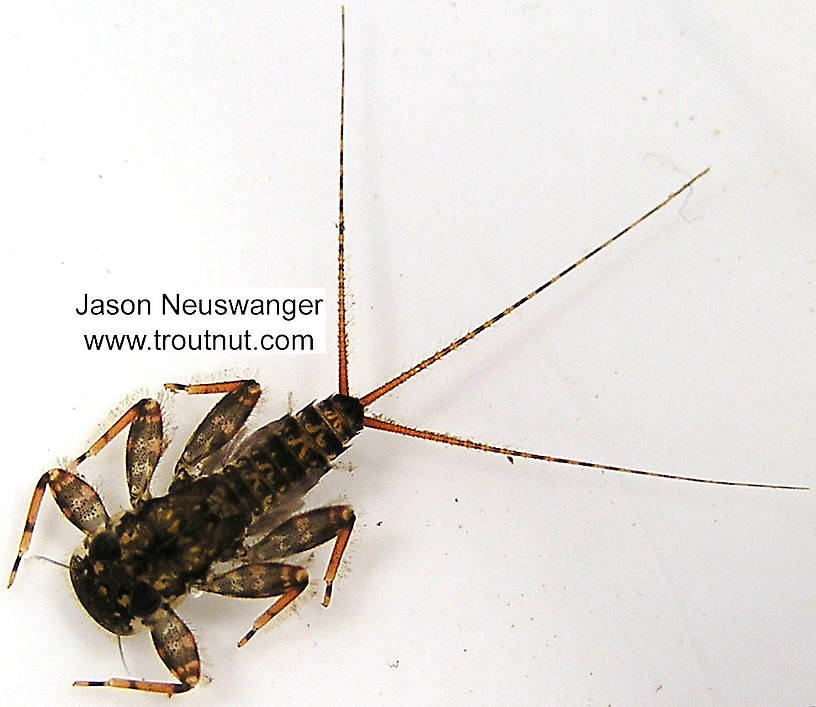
[171, 542]
[205, 533]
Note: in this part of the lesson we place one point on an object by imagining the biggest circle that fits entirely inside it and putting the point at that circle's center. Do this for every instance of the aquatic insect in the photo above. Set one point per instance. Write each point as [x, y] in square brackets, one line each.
[158, 522]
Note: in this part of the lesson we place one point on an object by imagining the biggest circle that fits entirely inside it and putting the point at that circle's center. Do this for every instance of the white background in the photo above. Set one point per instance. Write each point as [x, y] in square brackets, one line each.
[150, 148]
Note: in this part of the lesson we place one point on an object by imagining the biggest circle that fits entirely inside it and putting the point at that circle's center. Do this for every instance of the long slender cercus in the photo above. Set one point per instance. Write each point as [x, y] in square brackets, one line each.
[133, 568]
[391, 426]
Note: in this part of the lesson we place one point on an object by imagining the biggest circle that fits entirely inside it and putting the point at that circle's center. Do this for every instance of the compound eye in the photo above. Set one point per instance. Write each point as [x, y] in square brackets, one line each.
[145, 599]
[105, 546]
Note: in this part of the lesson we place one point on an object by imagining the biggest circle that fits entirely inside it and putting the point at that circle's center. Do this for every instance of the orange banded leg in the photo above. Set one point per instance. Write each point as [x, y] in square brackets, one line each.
[307, 530]
[176, 646]
[220, 425]
[256, 581]
[146, 404]
[77, 500]
[144, 446]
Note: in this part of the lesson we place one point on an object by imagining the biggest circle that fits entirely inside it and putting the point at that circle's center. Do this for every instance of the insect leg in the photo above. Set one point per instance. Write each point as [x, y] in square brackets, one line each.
[77, 500]
[256, 581]
[305, 531]
[176, 647]
[219, 426]
[144, 446]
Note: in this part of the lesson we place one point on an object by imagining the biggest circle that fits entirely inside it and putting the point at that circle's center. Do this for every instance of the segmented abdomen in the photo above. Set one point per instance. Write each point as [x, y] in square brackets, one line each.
[281, 461]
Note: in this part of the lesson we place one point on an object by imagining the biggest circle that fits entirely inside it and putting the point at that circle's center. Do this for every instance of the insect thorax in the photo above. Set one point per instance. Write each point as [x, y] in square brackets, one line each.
[149, 557]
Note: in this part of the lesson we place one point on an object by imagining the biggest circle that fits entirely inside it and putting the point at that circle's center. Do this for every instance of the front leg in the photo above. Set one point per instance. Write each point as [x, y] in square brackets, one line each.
[77, 500]
[176, 646]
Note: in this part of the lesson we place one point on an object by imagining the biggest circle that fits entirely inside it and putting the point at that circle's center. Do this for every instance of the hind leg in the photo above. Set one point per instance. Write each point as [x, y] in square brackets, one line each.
[220, 425]
[262, 577]
[305, 531]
